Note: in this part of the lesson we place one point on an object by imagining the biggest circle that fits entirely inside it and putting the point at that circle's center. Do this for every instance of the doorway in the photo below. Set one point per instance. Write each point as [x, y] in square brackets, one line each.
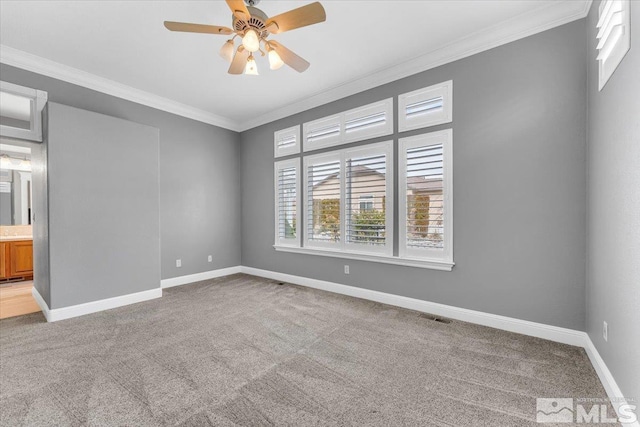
[16, 229]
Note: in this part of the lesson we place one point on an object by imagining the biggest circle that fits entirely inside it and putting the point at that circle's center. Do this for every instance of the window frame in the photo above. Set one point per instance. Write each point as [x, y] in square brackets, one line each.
[278, 166]
[386, 148]
[444, 90]
[38, 100]
[330, 157]
[287, 151]
[444, 137]
[384, 106]
[607, 66]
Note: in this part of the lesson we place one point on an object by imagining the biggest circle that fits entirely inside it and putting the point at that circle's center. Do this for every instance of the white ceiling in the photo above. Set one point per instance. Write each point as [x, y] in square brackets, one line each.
[362, 44]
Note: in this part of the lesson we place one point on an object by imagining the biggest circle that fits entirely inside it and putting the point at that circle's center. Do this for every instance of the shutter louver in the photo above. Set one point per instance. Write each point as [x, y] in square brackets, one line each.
[287, 203]
[613, 37]
[366, 193]
[425, 107]
[287, 141]
[323, 203]
[425, 203]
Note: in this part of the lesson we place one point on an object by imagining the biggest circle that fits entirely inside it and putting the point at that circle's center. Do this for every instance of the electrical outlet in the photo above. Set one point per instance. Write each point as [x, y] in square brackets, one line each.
[346, 269]
[178, 263]
[210, 258]
[605, 331]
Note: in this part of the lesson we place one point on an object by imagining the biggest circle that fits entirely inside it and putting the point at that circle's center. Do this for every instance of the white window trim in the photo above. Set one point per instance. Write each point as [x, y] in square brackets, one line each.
[384, 259]
[310, 161]
[38, 101]
[444, 137]
[385, 106]
[607, 65]
[287, 151]
[285, 164]
[445, 90]
[385, 147]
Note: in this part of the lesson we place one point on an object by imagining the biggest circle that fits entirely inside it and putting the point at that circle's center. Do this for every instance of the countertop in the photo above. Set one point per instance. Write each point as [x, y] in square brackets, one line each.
[14, 238]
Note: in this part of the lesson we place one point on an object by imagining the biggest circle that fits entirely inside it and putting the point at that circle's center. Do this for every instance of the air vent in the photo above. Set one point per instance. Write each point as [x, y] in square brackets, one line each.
[435, 318]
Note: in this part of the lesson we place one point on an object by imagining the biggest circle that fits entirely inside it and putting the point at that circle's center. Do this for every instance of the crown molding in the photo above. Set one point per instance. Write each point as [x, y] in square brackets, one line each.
[46, 67]
[521, 26]
[518, 27]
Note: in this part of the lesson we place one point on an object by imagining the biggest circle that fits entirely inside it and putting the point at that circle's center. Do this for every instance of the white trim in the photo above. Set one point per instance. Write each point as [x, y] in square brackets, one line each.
[53, 315]
[444, 137]
[286, 151]
[552, 333]
[518, 27]
[340, 120]
[191, 278]
[609, 383]
[40, 301]
[441, 90]
[613, 37]
[371, 257]
[279, 165]
[536, 21]
[56, 70]
[38, 100]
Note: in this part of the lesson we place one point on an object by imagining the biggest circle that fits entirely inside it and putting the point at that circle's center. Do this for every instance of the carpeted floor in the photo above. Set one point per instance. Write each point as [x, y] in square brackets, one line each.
[246, 351]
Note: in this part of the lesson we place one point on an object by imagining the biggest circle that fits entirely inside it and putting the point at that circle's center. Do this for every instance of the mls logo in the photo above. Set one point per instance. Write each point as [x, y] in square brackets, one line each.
[552, 410]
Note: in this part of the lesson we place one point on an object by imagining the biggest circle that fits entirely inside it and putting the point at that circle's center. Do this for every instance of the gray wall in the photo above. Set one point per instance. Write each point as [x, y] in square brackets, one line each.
[104, 206]
[519, 185]
[199, 177]
[613, 210]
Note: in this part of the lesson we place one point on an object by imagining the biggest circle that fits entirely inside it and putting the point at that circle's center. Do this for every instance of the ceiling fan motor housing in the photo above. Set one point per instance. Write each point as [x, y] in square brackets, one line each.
[255, 22]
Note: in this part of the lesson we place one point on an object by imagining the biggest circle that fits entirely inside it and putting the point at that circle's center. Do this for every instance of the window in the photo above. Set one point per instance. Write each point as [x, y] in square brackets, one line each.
[342, 202]
[287, 202]
[425, 204]
[613, 37]
[334, 186]
[359, 124]
[425, 107]
[21, 112]
[287, 141]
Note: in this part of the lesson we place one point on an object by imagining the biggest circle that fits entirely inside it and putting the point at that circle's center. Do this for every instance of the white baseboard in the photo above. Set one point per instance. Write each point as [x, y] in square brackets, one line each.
[53, 315]
[552, 333]
[191, 278]
[525, 327]
[609, 383]
[43, 305]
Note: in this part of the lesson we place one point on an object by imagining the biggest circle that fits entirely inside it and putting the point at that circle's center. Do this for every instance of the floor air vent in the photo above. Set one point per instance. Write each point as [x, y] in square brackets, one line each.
[435, 318]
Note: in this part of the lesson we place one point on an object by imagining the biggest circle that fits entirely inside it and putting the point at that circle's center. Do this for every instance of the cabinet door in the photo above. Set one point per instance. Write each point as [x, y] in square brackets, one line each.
[21, 258]
[4, 261]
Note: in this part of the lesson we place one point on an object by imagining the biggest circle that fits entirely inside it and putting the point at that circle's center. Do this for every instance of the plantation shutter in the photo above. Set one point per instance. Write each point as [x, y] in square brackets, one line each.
[424, 192]
[323, 202]
[287, 141]
[365, 198]
[287, 219]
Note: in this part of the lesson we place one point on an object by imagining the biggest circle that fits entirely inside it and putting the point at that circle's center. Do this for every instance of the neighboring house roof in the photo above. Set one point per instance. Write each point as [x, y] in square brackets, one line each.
[417, 183]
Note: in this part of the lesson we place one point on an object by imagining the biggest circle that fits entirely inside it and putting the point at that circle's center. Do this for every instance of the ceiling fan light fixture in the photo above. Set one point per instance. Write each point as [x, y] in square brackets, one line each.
[226, 52]
[251, 69]
[251, 41]
[275, 61]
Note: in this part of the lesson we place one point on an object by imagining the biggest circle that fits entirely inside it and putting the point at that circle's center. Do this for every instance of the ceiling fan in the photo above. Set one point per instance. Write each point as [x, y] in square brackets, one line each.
[253, 26]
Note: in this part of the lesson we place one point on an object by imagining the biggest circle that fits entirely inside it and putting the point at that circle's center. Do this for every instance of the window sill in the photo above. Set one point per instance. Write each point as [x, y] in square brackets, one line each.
[407, 262]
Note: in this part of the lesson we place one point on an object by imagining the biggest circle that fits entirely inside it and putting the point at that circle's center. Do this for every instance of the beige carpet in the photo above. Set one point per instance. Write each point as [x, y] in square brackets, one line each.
[246, 351]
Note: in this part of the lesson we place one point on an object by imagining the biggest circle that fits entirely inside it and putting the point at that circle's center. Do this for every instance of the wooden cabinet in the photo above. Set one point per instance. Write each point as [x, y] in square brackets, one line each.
[3, 260]
[16, 259]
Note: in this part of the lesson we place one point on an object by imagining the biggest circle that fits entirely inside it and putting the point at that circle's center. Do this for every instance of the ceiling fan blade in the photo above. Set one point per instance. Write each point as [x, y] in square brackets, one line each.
[288, 57]
[239, 61]
[197, 28]
[296, 18]
[239, 9]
